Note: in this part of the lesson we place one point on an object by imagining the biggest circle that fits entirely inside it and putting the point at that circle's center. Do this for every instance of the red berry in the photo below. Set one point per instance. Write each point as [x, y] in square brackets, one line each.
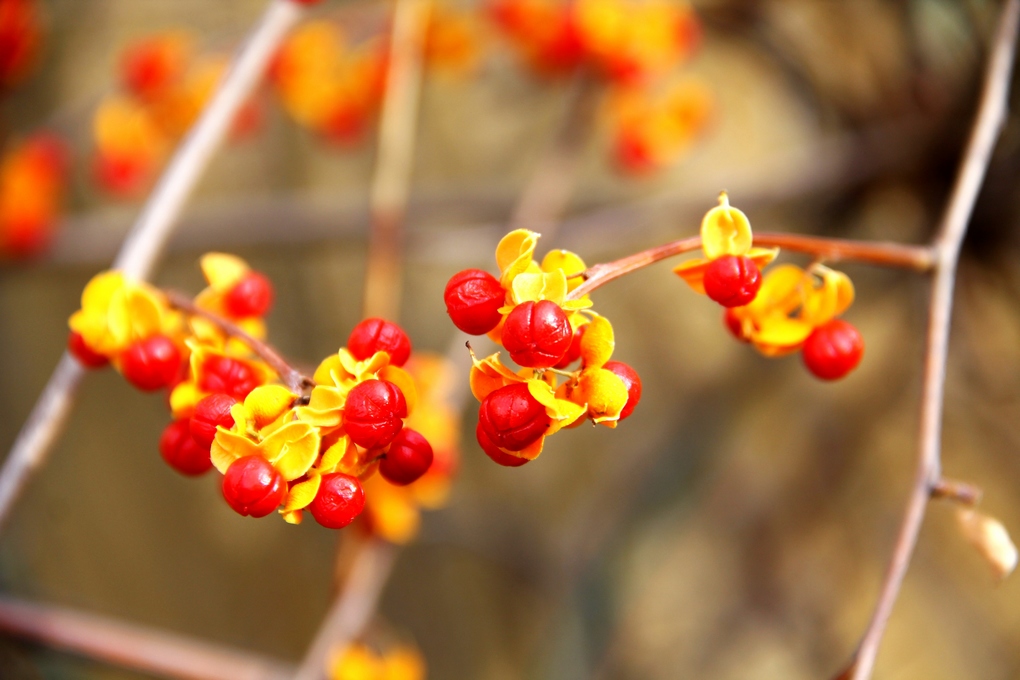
[209, 412]
[537, 334]
[734, 325]
[251, 296]
[85, 355]
[180, 450]
[492, 451]
[252, 486]
[378, 335]
[512, 418]
[151, 363]
[226, 375]
[574, 353]
[374, 412]
[473, 299]
[732, 280]
[409, 457]
[339, 501]
[632, 380]
[833, 350]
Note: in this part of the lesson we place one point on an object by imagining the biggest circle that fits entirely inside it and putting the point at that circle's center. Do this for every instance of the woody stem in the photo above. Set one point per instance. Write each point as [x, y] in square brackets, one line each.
[885, 254]
[295, 381]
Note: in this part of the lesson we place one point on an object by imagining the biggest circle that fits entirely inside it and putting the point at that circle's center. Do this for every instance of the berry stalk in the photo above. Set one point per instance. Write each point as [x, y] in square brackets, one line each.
[917, 258]
[295, 381]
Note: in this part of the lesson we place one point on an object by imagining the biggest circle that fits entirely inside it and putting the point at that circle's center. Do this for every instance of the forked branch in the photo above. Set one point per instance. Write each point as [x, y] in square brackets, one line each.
[990, 118]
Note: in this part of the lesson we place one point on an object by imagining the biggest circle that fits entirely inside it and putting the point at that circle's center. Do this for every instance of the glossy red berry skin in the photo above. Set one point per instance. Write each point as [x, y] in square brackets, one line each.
[151, 364]
[833, 350]
[378, 335]
[511, 418]
[632, 380]
[374, 413]
[180, 450]
[574, 353]
[492, 451]
[473, 298]
[209, 412]
[83, 353]
[732, 280]
[226, 375]
[409, 457]
[537, 334]
[253, 487]
[340, 499]
[251, 296]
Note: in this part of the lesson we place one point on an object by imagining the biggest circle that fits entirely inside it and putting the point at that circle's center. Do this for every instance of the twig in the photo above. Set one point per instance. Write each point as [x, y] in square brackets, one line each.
[388, 200]
[917, 258]
[352, 608]
[294, 379]
[151, 651]
[990, 119]
[954, 490]
[391, 183]
[550, 187]
[144, 243]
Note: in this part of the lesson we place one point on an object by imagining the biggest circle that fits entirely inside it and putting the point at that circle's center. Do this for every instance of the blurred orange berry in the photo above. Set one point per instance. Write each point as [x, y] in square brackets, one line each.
[32, 182]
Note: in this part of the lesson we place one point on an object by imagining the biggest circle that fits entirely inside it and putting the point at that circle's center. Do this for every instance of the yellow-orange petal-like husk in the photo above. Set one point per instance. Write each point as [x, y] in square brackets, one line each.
[725, 230]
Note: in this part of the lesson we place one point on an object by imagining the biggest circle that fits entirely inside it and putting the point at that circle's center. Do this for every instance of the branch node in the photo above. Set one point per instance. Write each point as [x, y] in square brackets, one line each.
[960, 492]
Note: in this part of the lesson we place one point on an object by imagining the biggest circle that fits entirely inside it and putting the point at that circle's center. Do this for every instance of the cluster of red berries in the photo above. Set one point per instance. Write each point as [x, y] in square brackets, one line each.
[538, 335]
[212, 386]
[373, 419]
[161, 360]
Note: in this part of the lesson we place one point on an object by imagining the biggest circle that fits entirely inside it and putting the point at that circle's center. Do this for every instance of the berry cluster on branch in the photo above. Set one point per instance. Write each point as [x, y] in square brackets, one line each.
[529, 312]
[281, 440]
[786, 310]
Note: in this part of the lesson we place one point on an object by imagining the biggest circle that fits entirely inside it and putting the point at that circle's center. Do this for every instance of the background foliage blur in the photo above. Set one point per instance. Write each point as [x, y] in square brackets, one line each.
[737, 526]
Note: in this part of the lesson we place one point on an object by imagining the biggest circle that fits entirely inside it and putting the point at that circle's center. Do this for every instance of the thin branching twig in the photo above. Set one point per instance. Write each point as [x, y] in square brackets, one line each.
[352, 608]
[153, 652]
[550, 188]
[294, 379]
[916, 258]
[390, 187]
[364, 581]
[144, 243]
[989, 122]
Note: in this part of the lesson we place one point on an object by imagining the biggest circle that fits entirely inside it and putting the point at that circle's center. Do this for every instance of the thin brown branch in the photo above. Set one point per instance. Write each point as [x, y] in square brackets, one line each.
[391, 184]
[295, 381]
[917, 258]
[601, 274]
[882, 253]
[954, 490]
[144, 243]
[550, 187]
[990, 118]
[352, 608]
[150, 651]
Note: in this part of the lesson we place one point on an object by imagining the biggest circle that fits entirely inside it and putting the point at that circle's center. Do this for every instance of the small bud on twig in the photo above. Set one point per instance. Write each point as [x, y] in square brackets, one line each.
[991, 539]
